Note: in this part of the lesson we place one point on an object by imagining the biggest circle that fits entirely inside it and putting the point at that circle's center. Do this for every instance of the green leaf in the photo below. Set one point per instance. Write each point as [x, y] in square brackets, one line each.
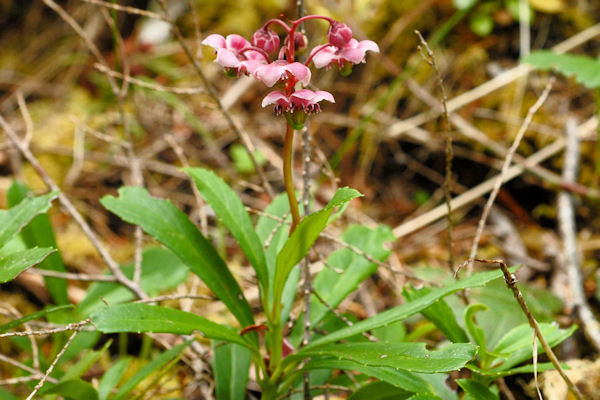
[397, 377]
[13, 264]
[85, 363]
[584, 68]
[379, 391]
[167, 224]
[525, 369]
[229, 208]
[74, 389]
[424, 396]
[39, 233]
[112, 377]
[303, 237]
[474, 330]
[333, 286]
[476, 390]
[154, 365]
[231, 365]
[242, 161]
[155, 261]
[517, 344]
[440, 314]
[31, 317]
[15, 218]
[410, 308]
[408, 356]
[139, 317]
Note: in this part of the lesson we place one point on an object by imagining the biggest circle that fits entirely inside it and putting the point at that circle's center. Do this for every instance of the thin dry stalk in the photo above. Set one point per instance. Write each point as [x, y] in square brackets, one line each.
[66, 203]
[51, 367]
[148, 85]
[504, 171]
[178, 297]
[44, 332]
[126, 9]
[430, 59]
[170, 138]
[401, 126]
[511, 283]
[37, 374]
[566, 224]
[307, 287]
[73, 276]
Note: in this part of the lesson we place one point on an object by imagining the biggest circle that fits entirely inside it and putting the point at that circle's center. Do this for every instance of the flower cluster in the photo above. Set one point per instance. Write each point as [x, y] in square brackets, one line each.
[265, 59]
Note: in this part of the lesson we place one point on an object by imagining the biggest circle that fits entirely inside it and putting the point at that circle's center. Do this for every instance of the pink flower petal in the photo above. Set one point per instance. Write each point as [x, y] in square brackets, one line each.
[368, 45]
[215, 41]
[324, 57]
[249, 67]
[275, 96]
[236, 42]
[270, 74]
[352, 54]
[227, 58]
[323, 95]
[300, 72]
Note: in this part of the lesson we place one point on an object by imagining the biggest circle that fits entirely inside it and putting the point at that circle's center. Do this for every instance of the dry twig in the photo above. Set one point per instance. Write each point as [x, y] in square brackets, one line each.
[566, 224]
[505, 167]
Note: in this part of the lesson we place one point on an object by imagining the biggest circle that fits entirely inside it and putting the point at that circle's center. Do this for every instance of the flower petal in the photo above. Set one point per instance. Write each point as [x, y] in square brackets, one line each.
[368, 45]
[227, 58]
[324, 57]
[270, 74]
[236, 42]
[323, 95]
[300, 72]
[215, 41]
[352, 54]
[249, 67]
[275, 96]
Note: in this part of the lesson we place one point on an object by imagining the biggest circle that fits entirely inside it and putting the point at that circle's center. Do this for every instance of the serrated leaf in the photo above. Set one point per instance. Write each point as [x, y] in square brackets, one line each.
[410, 308]
[525, 369]
[74, 389]
[397, 377]
[112, 377]
[231, 365]
[139, 317]
[229, 208]
[15, 218]
[303, 237]
[474, 330]
[412, 357]
[155, 262]
[440, 314]
[13, 264]
[424, 396]
[167, 224]
[584, 68]
[39, 233]
[157, 363]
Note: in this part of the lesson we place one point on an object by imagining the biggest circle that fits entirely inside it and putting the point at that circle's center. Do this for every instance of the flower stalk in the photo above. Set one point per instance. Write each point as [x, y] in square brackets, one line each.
[288, 180]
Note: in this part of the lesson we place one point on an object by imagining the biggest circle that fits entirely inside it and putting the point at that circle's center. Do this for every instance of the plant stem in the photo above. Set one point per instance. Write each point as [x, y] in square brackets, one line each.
[287, 177]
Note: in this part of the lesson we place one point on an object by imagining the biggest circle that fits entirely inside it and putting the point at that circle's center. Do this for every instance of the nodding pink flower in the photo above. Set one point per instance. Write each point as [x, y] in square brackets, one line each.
[354, 52]
[278, 70]
[233, 53]
[266, 39]
[304, 100]
[339, 34]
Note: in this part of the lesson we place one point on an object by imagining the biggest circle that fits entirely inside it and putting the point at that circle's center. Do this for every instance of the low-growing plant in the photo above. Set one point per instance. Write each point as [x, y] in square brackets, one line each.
[268, 340]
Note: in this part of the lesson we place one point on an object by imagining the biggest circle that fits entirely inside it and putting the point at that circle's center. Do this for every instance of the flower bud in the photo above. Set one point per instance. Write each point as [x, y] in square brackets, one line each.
[339, 34]
[300, 42]
[266, 39]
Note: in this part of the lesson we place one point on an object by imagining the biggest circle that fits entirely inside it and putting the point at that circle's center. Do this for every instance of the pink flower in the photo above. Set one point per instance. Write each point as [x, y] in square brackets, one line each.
[304, 100]
[278, 70]
[354, 52]
[233, 53]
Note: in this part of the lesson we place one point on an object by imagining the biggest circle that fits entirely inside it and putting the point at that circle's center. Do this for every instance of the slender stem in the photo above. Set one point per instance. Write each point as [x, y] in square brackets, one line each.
[287, 177]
